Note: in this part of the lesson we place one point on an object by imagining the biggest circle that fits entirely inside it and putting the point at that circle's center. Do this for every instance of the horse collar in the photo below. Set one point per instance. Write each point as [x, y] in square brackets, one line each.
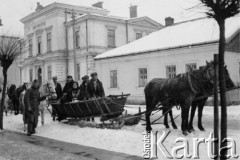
[190, 82]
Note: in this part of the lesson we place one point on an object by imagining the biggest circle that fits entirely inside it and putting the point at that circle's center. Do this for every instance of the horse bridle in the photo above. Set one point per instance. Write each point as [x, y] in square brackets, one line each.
[50, 90]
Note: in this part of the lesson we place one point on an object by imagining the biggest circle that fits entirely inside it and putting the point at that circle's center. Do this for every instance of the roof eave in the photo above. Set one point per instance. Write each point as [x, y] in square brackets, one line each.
[160, 49]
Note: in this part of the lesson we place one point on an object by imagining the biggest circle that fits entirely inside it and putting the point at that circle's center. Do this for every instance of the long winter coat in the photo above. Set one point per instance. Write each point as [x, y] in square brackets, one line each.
[84, 90]
[32, 100]
[99, 92]
[59, 91]
[69, 96]
[68, 86]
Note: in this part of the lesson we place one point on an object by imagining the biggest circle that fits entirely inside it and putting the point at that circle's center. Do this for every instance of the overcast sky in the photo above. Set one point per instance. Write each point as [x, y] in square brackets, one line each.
[11, 11]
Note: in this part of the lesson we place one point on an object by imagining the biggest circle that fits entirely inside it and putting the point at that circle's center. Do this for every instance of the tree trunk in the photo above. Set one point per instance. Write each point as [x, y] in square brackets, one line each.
[3, 97]
[222, 86]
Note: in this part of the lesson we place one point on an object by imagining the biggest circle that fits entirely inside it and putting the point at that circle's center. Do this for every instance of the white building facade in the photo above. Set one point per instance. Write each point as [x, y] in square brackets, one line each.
[50, 33]
[166, 53]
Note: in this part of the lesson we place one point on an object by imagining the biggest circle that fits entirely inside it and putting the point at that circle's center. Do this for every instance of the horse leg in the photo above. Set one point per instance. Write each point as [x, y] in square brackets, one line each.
[172, 120]
[148, 114]
[184, 125]
[193, 110]
[165, 117]
[200, 110]
[42, 117]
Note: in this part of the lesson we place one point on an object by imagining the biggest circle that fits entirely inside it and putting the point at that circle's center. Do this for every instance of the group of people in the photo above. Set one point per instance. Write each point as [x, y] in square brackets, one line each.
[89, 89]
[72, 91]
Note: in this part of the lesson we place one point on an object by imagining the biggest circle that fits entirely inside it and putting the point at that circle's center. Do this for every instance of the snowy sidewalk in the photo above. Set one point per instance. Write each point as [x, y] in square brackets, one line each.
[19, 146]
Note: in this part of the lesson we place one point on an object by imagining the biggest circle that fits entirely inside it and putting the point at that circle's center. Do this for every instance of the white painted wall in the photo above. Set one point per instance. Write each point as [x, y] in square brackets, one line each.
[156, 62]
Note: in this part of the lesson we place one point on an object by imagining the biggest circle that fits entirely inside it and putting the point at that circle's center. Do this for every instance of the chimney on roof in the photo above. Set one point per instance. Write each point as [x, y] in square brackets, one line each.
[133, 11]
[169, 21]
[39, 6]
[98, 4]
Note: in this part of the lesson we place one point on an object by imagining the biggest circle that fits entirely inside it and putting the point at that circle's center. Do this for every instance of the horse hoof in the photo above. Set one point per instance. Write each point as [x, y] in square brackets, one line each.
[148, 129]
[167, 126]
[202, 129]
[185, 133]
[175, 127]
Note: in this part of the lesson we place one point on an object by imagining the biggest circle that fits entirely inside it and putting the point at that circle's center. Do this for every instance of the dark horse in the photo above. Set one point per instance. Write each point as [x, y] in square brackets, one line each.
[199, 102]
[14, 95]
[180, 90]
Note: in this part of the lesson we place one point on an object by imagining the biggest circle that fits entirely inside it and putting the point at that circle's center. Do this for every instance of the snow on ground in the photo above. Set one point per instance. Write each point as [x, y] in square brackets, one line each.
[130, 138]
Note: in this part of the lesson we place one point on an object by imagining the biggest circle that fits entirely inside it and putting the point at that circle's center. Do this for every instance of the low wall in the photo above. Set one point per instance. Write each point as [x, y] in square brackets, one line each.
[233, 98]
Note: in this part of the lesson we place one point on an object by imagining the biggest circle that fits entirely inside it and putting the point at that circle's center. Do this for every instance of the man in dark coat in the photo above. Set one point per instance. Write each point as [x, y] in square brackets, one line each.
[68, 85]
[32, 100]
[83, 87]
[59, 92]
[95, 87]
[58, 88]
[73, 94]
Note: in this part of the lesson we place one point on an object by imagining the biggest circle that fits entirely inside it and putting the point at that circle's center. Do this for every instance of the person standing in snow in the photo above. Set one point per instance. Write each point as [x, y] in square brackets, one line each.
[32, 101]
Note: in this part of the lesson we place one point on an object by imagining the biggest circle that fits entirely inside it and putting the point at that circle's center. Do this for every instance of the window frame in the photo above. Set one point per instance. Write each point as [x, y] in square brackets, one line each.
[139, 77]
[190, 64]
[168, 72]
[137, 33]
[49, 42]
[49, 70]
[113, 79]
[30, 47]
[31, 75]
[77, 38]
[111, 37]
[39, 44]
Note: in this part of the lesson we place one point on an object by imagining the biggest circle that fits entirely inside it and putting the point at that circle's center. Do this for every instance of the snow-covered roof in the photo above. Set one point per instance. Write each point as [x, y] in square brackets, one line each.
[193, 32]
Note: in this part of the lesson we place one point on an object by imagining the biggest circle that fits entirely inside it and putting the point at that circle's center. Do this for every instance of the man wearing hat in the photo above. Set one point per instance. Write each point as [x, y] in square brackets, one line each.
[83, 87]
[58, 87]
[95, 87]
[32, 100]
[68, 85]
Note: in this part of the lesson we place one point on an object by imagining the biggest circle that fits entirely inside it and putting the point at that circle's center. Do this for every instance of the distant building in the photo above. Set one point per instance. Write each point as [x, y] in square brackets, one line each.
[166, 53]
[13, 76]
[50, 39]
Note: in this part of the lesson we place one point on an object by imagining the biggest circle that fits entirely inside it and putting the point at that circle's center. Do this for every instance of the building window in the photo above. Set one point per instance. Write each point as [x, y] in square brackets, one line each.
[49, 42]
[78, 72]
[142, 79]
[113, 79]
[191, 67]
[170, 71]
[31, 75]
[30, 47]
[49, 71]
[77, 39]
[39, 44]
[138, 35]
[111, 38]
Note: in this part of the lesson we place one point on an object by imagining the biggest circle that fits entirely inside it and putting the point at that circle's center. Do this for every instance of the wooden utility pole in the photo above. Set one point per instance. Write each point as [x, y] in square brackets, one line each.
[216, 113]
[74, 46]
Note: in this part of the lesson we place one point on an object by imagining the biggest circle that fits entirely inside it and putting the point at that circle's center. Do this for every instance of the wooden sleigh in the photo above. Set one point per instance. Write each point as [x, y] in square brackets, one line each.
[107, 108]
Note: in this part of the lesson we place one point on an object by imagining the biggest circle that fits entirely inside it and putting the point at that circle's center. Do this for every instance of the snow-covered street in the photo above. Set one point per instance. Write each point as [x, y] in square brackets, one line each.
[129, 139]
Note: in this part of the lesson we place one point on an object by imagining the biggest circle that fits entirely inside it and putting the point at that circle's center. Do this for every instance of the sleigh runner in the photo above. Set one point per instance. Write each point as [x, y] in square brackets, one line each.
[107, 108]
